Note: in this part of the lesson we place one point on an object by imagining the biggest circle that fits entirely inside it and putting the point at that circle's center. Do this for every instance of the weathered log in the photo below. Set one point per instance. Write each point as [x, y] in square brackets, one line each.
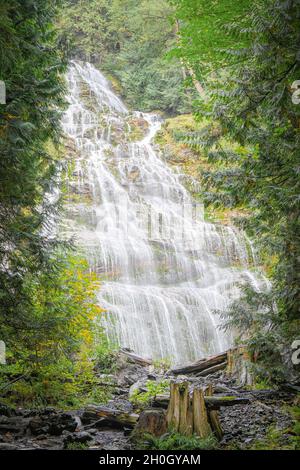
[112, 416]
[173, 414]
[161, 401]
[201, 425]
[185, 411]
[239, 365]
[135, 358]
[187, 415]
[212, 370]
[213, 416]
[201, 365]
[214, 402]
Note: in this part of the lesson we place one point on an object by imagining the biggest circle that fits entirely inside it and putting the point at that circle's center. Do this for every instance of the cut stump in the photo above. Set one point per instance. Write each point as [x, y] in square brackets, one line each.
[152, 422]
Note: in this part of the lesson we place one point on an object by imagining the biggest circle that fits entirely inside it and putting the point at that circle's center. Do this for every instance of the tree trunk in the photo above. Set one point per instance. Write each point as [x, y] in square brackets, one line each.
[213, 416]
[151, 422]
[135, 358]
[202, 364]
[187, 415]
[212, 402]
[113, 416]
[201, 425]
[212, 370]
[238, 365]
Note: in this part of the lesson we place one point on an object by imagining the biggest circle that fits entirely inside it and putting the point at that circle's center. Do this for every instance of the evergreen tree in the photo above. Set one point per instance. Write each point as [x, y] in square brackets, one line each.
[252, 146]
[129, 41]
[31, 67]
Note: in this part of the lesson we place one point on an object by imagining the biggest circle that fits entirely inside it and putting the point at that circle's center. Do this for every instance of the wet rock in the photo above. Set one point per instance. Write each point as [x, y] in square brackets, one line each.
[138, 386]
[128, 372]
[53, 424]
[38, 426]
[14, 425]
[151, 377]
[78, 437]
[7, 446]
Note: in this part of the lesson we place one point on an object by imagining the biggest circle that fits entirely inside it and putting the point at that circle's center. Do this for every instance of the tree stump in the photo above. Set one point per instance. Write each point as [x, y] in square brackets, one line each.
[213, 416]
[152, 422]
[201, 424]
[238, 365]
[187, 414]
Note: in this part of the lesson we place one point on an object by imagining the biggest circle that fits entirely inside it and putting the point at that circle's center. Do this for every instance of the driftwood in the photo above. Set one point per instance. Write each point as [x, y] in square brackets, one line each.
[202, 364]
[135, 358]
[111, 416]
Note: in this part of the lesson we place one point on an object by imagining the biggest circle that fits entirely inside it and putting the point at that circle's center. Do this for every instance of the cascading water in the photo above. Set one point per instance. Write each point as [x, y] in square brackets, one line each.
[164, 269]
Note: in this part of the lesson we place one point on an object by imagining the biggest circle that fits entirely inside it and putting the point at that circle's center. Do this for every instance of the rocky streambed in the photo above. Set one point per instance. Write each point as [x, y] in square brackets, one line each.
[49, 428]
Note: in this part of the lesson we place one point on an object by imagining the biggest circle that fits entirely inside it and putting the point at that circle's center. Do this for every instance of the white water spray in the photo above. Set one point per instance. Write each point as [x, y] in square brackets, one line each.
[165, 270]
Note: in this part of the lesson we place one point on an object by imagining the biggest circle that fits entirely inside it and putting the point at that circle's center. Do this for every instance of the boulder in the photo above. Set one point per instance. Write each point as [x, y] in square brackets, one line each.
[79, 437]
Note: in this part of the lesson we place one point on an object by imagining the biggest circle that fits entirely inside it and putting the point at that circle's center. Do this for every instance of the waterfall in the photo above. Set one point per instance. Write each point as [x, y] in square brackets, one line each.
[164, 269]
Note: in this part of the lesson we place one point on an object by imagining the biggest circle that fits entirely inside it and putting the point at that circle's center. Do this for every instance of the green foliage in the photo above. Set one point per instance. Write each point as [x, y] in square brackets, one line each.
[206, 34]
[105, 356]
[153, 388]
[175, 441]
[278, 439]
[51, 361]
[249, 103]
[128, 40]
[77, 446]
[268, 335]
[31, 67]
[162, 364]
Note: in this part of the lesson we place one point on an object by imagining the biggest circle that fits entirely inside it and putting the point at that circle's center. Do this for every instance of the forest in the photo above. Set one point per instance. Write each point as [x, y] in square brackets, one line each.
[149, 225]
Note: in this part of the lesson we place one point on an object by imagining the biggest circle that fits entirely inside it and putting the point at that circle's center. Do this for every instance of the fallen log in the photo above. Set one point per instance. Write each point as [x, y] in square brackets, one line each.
[135, 358]
[212, 370]
[202, 364]
[212, 402]
[111, 415]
